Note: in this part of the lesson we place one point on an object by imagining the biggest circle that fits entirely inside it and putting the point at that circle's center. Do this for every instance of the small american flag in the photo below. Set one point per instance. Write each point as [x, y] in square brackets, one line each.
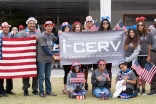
[77, 77]
[17, 58]
[106, 75]
[120, 26]
[136, 66]
[95, 27]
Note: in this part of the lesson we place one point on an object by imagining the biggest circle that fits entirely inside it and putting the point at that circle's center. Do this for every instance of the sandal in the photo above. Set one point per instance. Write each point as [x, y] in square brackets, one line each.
[64, 92]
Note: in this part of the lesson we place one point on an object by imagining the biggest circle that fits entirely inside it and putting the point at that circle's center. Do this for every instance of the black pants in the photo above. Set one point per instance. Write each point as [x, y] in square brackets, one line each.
[142, 60]
[9, 85]
[26, 84]
[66, 69]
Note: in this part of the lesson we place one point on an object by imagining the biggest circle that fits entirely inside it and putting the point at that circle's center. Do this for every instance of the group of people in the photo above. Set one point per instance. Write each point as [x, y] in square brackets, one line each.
[139, 44]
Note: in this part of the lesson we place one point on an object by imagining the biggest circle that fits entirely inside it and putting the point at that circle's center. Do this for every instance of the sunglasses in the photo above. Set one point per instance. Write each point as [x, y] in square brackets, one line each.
[77, 67]
[102, 64]
[140, 25]
[105, 22]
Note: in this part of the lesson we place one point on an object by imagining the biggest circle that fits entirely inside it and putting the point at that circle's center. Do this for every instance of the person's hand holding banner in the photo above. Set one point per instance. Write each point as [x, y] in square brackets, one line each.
[57, 57]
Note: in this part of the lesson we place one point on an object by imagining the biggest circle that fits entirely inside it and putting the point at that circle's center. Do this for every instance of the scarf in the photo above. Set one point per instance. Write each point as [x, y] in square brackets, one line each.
[27, 32]
[127, 72]
[9, 35]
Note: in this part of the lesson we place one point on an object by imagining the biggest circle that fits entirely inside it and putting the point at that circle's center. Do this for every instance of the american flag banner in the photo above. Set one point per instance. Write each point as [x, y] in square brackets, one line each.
[136, 66]
[148, 72]
[17, 58]
[77, 77]
[95, 27]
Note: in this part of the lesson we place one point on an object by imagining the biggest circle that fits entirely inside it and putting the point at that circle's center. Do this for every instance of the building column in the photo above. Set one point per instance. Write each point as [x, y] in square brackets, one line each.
[105, 9]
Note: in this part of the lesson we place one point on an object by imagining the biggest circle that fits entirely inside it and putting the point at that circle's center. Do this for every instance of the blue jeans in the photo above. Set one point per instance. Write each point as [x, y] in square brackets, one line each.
[44, 72]
[98, 90]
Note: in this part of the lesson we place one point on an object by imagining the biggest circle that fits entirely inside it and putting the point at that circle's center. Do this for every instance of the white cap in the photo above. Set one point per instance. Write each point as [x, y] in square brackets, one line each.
[31, 19]
[5, 24]
[89, 18]
[154, 19]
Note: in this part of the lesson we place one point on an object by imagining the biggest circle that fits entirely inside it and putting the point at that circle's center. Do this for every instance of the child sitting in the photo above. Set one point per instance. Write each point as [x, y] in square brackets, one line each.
[75, 87]
[100, 80]
[125, 81]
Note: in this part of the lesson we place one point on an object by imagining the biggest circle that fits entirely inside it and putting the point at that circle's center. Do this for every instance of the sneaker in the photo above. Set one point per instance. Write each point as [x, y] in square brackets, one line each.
[138, 91]
[51, 94]
[26, 93]
[10, 92]
[3, 95]
[151, 93]
[42, 95]
[35, 92]
[54, 67]
[143, 92]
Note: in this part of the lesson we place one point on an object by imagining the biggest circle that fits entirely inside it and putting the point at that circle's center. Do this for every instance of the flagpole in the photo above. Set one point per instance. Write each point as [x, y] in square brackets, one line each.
[117, 24]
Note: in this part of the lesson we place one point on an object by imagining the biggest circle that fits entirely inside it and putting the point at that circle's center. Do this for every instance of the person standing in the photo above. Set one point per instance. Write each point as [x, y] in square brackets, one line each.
[30, 31]
[142, 34]
[152, 58]
[65, 27]
[44, 58]
[9, 83]
[89, 23]
[21, 27]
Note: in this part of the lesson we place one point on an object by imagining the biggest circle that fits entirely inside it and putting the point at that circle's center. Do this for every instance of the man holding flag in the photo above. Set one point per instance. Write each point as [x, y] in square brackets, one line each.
[9, 83]
[30, 31]
[152, 58]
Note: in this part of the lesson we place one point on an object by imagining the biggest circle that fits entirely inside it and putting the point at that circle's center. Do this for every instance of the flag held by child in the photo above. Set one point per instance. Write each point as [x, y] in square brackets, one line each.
[77, 77]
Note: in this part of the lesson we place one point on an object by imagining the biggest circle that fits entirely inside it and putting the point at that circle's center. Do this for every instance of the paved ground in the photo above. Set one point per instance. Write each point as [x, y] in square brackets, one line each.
[60, 72]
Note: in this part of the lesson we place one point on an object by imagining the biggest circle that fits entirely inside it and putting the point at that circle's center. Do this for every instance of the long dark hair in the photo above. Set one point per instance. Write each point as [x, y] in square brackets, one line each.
[63, 28]
[73, 70]
[129, 40]
[101, 25]
[144, 31]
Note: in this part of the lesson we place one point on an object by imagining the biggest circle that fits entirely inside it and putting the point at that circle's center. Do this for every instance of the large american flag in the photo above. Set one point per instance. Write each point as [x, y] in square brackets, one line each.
[77, 77]
[95, 27]
[17, 58]
[147, 73]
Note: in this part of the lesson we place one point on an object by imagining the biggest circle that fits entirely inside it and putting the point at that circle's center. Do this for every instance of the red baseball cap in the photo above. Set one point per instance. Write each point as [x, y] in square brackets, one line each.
[21, 27]
[49, 23]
